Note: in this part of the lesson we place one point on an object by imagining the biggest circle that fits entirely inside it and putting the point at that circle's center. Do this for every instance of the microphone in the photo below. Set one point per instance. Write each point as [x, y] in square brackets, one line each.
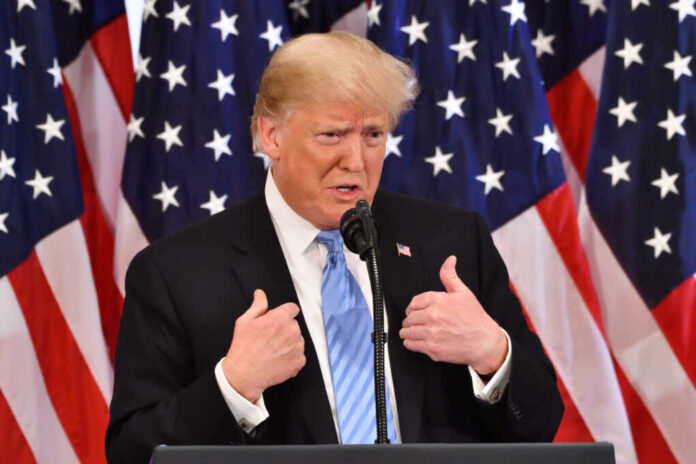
[359, 233]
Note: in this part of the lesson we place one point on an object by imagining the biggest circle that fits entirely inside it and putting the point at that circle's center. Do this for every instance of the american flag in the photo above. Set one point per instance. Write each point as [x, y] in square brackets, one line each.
[600, 252]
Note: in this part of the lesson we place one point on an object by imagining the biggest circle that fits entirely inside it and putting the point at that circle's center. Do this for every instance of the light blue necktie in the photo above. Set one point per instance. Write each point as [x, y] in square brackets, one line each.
[348, 334]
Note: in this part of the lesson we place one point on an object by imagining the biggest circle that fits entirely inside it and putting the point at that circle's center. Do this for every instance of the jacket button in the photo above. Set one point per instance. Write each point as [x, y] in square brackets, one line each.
[244, 424]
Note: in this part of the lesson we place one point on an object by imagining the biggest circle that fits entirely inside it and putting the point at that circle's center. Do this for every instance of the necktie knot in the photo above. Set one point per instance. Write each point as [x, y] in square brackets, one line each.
[332, 239]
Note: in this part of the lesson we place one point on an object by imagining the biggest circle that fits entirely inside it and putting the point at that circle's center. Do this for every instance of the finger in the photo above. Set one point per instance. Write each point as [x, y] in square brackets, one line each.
[259, 306]
[416, 332]
[416, 318]
[449, 277]
[422, 301]
[291, 310]
[418, 346]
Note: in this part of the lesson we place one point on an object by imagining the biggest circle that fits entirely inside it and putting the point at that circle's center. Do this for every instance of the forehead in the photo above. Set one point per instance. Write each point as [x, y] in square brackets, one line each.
[340, 114]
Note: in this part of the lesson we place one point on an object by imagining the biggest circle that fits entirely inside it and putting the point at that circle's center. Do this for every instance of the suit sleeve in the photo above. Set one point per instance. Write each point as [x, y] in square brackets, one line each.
[158, 399]
[531, 407]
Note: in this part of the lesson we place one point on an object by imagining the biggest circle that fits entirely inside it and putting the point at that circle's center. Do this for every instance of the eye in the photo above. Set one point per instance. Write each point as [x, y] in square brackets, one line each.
[329, 137]
[374, 137]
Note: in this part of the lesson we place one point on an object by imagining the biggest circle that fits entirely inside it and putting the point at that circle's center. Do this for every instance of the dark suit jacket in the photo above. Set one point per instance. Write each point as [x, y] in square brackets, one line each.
[183, 294]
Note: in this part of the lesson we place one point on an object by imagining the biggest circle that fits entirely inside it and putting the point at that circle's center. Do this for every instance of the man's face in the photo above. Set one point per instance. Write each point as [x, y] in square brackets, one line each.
[326, 158]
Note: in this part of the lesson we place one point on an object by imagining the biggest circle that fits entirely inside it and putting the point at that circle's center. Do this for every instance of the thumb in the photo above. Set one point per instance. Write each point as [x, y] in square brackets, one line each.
[449, 277]
[259, 306]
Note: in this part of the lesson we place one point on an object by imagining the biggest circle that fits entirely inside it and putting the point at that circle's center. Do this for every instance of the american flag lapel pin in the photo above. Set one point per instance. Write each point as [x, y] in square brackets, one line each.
[402, 249]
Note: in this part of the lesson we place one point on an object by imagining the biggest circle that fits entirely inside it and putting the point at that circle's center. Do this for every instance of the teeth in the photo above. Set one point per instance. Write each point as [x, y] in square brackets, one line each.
[345, 189]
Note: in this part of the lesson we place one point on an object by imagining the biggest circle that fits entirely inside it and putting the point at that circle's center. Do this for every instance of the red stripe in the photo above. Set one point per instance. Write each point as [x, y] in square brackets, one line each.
[676, 316]
[12, 441]
[649, 442]
[75, 395]
[111, 44]
[573, 109]
[572, 427]
[98, 235]
[557, 212]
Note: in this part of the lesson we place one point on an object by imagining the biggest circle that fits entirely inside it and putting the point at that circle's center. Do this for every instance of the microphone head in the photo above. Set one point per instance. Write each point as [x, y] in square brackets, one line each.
[358, 228]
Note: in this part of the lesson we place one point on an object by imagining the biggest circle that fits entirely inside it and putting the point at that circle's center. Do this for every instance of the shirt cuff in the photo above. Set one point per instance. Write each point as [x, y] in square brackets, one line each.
[492, 391]
[247, 414]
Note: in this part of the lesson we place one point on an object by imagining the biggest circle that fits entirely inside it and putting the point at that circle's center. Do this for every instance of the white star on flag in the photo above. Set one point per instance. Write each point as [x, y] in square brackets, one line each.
[135, 127]
[630, 53]
[373, 14]
[659, 242]
[452, 105]
[679, 65]
[75, 5]
[141, 68]
[263, 157]
[223, 85]
[501, 122]
[15, 53]
[666, 183]
[167, 196]
[440, 161]
[56, 73]
[471, 2]
[673, 124]
[624, 112]
[542, 43]
[22, 3]
[179, 15]
[618, 171]
[491, 179]
[11, 109]
[393, 145]
[51, 129]
[684, 7]
[174, 75]
[219, 144]
[594, 6]
[415, 31]
[508, 66]
[149, 10]
[299, 8]
[3, 227]
[549, 140]
[636, 3]
[6, 164]
[40, 184]
[170, 136]
[516, 11]
[272, 35]
[226, 25]
[464, 49]
[215, 204]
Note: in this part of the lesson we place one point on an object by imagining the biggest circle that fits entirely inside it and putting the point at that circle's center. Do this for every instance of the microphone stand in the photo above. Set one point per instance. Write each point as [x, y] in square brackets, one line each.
[369, 252]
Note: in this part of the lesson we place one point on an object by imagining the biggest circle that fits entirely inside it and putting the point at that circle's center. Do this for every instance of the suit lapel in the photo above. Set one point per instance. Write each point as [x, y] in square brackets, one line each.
[260, 264]
[402, 280]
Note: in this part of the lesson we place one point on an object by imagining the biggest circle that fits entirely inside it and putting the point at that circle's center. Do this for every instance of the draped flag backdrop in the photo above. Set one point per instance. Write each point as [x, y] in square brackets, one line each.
[569, 124]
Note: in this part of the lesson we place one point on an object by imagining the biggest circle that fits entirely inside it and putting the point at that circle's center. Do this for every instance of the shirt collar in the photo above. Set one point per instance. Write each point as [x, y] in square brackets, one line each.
[293, 230]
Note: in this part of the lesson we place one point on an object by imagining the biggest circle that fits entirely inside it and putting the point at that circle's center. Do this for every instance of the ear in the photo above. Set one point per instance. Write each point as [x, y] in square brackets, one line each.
[268, 133]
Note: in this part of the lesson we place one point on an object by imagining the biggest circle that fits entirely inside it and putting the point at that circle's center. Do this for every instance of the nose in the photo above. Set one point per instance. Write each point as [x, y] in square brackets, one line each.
[352, 154]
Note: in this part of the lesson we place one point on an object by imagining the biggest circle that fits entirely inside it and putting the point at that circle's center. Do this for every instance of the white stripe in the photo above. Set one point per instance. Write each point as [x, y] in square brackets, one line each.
[569, 333]
[572, 178]
[591, 71]
[22, 384]
[355, 21]
[129, 241]
[65, 262]
[639, 345]
[104, 130]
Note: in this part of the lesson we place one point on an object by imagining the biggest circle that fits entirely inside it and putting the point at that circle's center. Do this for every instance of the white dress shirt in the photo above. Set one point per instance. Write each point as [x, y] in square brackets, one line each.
[305, 258]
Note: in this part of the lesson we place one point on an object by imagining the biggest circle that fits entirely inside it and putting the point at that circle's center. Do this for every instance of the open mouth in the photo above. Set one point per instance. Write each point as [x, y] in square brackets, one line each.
[346, 188]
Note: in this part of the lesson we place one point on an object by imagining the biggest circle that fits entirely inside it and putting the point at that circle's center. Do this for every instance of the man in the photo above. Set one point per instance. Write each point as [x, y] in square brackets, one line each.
[201, 361]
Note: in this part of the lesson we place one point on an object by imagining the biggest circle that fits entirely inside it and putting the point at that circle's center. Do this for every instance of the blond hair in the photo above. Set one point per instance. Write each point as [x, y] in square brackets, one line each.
[336, 67]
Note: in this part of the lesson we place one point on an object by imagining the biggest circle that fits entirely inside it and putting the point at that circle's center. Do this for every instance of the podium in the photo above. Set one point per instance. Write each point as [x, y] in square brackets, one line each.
[506, 453]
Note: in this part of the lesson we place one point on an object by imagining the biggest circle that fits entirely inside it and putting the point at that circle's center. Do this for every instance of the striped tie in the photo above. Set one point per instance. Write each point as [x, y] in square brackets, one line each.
[348, 334]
